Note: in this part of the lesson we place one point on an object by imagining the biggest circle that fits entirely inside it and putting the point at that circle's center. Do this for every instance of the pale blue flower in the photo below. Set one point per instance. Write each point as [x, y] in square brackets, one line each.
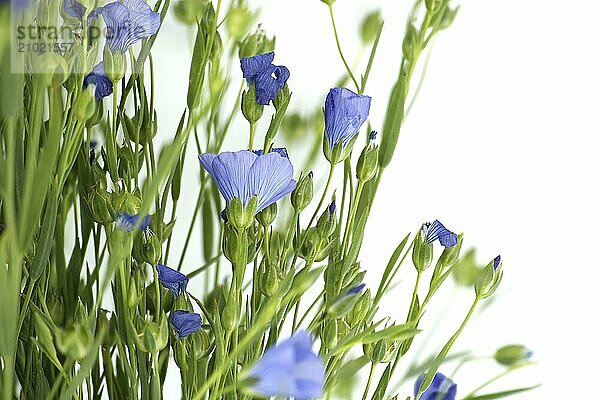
[290, 369]
[267, 78]
[185, 322]
[127, 23]
[436, 231]
[98, 78]
[345, 112]
[127, 222]
[173, 280]
[244, 174]
[74, 9]
[441, 388]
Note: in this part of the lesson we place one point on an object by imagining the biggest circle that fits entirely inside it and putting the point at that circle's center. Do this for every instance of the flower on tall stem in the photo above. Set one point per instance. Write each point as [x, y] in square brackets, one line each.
[173, 280]
[249, 182]
[185, 322]
[345, 113]
[289, 369]
[442, 388]
[268, 79]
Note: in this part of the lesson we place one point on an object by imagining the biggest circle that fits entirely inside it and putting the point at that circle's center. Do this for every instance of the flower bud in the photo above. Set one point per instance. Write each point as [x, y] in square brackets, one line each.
[375, 351]
[367, 162]
[53, 69]
[74, 343]
[512, 354]
[188, 11]
[360, 309]
[450, 254]
[85, 105]
[410, 44]
[152, 250]
[328, 2]
[108, 326]
[370, 27]
[422, 253]
[489, 279]
[44, 335]
[327, 223]
[124, 201]
[250, 108]
[433, 5]
[282, 98]
[329, 335]
[153, 337]
[303, 193]
[267, 215]
[310, 244]
[81, 315]
[100, 204]
[448, 17]
[269, 279]
[115, 64]
[231, 314]
[238, 21]
[338, 152]
[56, 308]
[256, 43]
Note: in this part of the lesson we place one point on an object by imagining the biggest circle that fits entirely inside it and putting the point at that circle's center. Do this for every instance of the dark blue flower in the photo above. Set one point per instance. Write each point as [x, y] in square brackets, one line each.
[244, 174]
[436, 231]
[345, 112]
[127, 222]
[173, 280]
[497, 261]
[373, 135]
[98, 78]
[290, 369]
[185, 322]
[127, 23]
[74, 9]
[441, 388]
[331, 207]
[356, 289]
[281, 150]
[267, 78]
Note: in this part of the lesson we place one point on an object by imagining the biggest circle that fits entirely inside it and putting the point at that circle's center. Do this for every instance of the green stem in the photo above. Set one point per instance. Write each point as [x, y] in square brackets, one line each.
[366, 392]
[252, 132]
[350, 222]
[339, 47]
[495, 378]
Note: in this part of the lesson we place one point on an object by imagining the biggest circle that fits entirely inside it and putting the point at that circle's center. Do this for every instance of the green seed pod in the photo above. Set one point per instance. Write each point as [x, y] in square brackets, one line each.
[269, 278]
[100, 203]
[231, 314]
[188, 11]
[422, 253]
[303, 193]
[311, 244]
[44, 336]
[411, 45]
[361, 307]
[367, 162]
[56, 308]
[512, 354]
[489, 279]
[124, 201]
[53, 68]
[370, 27]
[152, 250]
[115, 64]
[74, 343]
[153, 337]
[256, 43]
[448, 18]
[267, 215]
[85, 105]
[238, 21]
[250, 108]
[81, 314]
[433, 5]
[376, 352]
[329, 335]
[327, 222]
[108, 326]
[217, 47]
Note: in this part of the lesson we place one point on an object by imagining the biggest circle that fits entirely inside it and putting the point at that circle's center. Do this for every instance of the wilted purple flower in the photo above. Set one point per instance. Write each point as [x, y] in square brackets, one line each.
[127, 222]
[98, 78]
[74, 9]
[436, 231]
[497, 261]
[345, 112]
[173, 280]
[185, 322]
[441, 388]
[267, 78]
[243, 174]
[356, 289]
[290, 369]
[127, 23]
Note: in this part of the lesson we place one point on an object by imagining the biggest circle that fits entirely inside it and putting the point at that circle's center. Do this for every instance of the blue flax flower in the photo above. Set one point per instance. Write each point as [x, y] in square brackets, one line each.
[441, 388]
[345, 112]
[127, 222]
[356, 289]
[98, 78]
[185, 322]
[436, 231]
[127, 23]
[173, 280]
[290, 369]
[244, 174]
[74, 9]
[267, 78]
[497, 262]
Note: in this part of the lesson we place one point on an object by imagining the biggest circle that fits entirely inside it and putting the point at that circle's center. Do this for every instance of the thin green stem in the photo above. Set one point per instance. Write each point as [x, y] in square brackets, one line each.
[368, 385]
[339, 47]
[252, 133]
[495, 378]
[350, 223]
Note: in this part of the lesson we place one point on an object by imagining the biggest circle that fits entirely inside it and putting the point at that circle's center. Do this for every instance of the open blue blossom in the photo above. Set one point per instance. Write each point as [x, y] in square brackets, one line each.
[290, 369]
[436, 231]
[127, 23]
[127, 222]
[244, 174]
[441, 388]
[345, 112]
[173, 280]
[267, 78]
[185, 322]
[74, 9]
[497, 262]
[356, 289]
[98, 78]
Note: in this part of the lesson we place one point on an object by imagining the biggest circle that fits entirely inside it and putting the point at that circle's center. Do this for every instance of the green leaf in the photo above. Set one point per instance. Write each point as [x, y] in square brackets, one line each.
[500, 395]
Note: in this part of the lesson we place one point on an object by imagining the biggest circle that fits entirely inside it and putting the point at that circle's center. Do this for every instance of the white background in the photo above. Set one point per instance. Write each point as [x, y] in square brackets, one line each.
[502, 144]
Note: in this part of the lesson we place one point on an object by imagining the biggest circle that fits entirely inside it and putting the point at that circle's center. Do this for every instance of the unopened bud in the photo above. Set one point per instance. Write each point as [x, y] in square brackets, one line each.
[115, 64]
[489, 279]
[85, 105]
[367, 162]
[512, 354]
[267, 215]
[303, 193]
[250, 108]
[422, 253]
[327, 223]
[370, 27]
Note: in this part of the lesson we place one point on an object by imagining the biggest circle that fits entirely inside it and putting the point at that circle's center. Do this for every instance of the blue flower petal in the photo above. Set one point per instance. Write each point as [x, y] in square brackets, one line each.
[497, 261]
[173, 280]
[345, 113]
[270, 178]
[282, 151]
[98, 78]
[267, 78]
[436, 231]
[230, 171]
[442, 388]
[185, 322]
[127, 222]
[252, 66]
[74, 9]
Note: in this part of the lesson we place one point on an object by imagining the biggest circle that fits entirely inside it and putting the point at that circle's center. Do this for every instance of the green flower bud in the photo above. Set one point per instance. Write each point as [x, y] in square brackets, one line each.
[410, 44]
[250, 108]
[448, 18]
[56, 308]
[96, 116]
[100, 204]
[74, 343]
[489, 278]
[152, 250]
[282, 98]
[327, 222]
[44, 336]
[256, 43]
[108, 326]
[238, 21]
[217, 47]
[230, 318]
[85, 105]
[124, 201]
[328, 2]
[269, 279]
[433, 5]
[241, 217]
[375, 351]
[115, 64]
[188, 11]
[512, 354]
[360, 309]
[422, 253]
[153, 337]
[127, 161]
[311, 244]
[367, 162]
[466, 270]
[303, 193]
[267, 215]
[370, 27]
[81, 315]
[53, 69]
[329, 334]
[450, 254]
